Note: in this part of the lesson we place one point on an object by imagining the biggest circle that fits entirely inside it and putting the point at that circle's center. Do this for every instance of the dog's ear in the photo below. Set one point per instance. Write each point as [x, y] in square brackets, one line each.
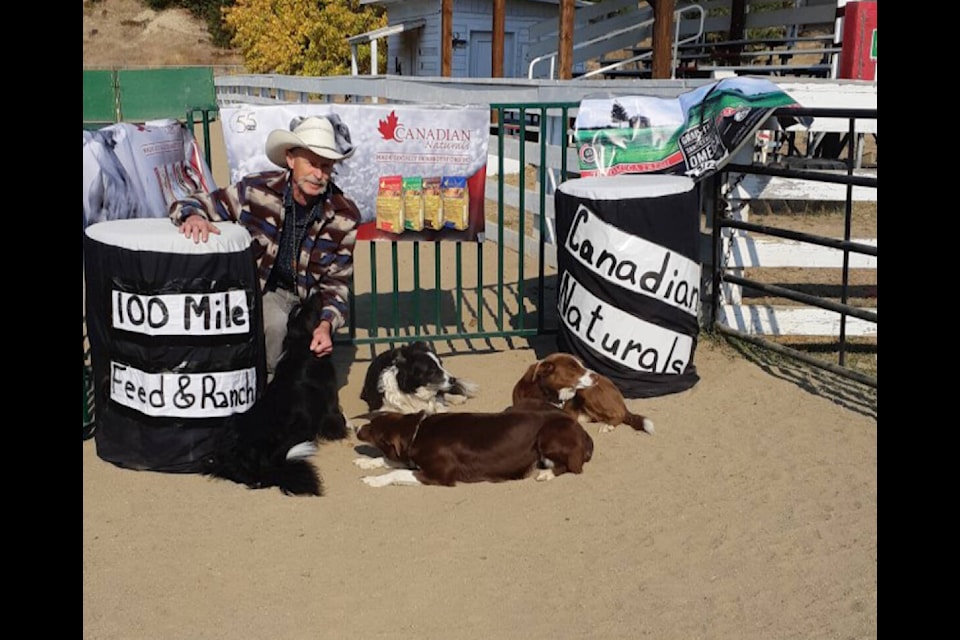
[543, 369]
[403, 376]
[398, 443]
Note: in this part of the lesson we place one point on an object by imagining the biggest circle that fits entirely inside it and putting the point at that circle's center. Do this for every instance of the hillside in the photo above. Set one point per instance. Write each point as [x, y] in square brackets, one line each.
[127, 33]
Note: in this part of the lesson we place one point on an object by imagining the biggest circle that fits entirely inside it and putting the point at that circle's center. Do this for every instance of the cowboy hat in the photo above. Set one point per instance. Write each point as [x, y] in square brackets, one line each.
[325, 136]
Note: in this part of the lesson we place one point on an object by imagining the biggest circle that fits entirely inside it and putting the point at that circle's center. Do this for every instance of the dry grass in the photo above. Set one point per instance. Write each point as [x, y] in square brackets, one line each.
[128, 34]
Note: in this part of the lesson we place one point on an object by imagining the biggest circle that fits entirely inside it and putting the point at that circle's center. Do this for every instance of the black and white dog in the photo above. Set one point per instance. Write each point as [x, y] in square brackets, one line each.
[410, 379]
[269, 445]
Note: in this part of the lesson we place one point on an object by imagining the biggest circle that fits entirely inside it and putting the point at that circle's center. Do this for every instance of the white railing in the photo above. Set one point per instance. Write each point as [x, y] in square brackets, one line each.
[677, 41]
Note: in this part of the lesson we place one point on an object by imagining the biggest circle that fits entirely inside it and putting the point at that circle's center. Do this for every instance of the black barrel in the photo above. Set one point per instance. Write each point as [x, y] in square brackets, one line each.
[629, 279]
[176, 339]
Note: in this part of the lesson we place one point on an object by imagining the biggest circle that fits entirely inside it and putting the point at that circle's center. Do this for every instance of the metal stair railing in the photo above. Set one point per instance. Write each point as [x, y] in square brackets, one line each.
[647, 54]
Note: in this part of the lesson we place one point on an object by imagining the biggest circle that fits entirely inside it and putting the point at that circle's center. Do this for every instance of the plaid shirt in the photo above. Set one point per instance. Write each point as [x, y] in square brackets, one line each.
[325, 260]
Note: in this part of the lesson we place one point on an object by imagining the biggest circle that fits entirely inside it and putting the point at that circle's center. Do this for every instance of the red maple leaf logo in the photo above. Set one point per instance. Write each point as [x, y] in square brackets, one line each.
[389, 126]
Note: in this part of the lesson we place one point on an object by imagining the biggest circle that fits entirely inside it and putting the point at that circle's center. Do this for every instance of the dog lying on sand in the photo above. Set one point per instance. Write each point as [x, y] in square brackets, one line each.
[448, 448]
[563, 381]
[411, 378]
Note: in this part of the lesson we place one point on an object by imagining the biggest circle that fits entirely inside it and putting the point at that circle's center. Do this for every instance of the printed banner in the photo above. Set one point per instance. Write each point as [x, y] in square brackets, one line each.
[136, 171]
[418, 172]
[694, 134]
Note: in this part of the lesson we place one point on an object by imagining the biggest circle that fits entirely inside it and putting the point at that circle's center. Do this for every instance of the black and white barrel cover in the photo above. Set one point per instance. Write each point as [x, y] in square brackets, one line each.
[176, 339]
[629, 279]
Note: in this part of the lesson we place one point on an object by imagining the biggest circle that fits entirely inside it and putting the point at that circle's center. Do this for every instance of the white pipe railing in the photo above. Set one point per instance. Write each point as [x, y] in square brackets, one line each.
[607, 36]
[618, 32]
[676, 45]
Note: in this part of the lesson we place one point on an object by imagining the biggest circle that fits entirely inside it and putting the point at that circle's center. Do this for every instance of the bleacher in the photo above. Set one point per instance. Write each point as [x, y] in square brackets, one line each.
[798, 41]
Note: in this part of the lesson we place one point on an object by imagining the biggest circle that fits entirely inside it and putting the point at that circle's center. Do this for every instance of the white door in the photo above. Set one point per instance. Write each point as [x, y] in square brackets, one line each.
[481, 55]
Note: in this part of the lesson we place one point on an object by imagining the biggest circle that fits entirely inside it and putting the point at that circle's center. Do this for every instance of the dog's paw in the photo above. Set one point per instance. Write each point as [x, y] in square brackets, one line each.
[454, 398]
[606, 428]
[369, 463]
[397, 477]
[376, 481]
[545, 474]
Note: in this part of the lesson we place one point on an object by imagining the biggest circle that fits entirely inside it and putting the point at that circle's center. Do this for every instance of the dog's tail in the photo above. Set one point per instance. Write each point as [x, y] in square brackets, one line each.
[638, 422]
[461, 387]
[248, 464]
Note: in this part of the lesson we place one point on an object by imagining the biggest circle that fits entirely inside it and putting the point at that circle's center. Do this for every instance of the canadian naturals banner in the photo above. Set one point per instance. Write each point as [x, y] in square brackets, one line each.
[693, 134]
[418, 172]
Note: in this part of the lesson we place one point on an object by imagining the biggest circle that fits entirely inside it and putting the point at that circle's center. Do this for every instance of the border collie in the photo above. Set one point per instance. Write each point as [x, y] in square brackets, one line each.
[448, 448]
[411, 378]
[563, 381]
[270, 444]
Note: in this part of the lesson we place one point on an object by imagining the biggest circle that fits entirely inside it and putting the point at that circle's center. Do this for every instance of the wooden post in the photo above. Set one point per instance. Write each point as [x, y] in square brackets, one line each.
[662, 64]
[446, 38]
[738, 22]
[496, 61]
[565, 51]
[499, 26]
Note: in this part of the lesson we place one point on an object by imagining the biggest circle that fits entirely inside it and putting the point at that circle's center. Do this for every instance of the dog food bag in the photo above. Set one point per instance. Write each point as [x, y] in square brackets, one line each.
[413, 203]
[432, 204]
[390, 204]
[456, 202]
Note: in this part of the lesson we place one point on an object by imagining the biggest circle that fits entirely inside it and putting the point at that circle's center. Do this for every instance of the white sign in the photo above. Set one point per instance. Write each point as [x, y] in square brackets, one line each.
[614, 334]
[182, 314]
[635, 264]
[183, 395]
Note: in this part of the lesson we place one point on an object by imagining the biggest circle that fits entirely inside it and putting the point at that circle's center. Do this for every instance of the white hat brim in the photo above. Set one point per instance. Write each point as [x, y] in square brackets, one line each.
[280, 141]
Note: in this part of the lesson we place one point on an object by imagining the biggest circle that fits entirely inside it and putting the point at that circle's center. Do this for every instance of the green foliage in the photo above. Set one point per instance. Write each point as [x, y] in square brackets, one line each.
[302, 37]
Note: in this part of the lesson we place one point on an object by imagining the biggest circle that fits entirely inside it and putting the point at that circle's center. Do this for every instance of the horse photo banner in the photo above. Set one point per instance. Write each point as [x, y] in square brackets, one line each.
[418, 172]
[694, 134]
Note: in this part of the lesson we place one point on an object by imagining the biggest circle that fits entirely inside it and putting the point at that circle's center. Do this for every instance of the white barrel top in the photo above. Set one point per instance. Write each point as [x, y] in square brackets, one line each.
[160, 235]
[626, 186]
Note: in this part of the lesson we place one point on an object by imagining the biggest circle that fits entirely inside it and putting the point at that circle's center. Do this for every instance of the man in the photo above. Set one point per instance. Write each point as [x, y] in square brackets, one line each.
[303, 227]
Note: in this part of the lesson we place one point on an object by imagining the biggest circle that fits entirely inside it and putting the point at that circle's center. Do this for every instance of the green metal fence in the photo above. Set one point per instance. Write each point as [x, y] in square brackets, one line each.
[138, 95]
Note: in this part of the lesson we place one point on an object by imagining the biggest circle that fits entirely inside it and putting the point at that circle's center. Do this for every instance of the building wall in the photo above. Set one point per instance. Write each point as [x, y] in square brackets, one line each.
[418, 51]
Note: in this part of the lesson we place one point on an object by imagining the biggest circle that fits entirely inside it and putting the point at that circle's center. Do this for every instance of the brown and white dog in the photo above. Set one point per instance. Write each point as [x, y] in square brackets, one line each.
[563, 381]
[447, 448]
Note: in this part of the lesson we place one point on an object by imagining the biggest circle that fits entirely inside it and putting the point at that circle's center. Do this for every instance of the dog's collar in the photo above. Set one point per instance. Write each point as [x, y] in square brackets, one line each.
[416, 430]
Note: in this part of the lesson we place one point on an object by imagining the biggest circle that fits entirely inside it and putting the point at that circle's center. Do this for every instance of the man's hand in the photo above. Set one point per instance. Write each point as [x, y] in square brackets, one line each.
[198, 228]
[322, 343]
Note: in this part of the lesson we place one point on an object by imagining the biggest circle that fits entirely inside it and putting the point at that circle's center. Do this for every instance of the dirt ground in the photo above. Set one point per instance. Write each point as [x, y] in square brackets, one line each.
[751, 514]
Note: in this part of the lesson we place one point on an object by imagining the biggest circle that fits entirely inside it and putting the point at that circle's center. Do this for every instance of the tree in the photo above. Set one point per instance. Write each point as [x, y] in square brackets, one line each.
[302, 37]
